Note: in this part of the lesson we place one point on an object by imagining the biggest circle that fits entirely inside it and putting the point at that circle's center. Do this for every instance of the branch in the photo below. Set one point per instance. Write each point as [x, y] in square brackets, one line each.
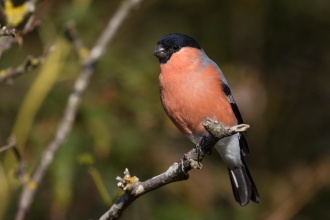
[31, 24]
[30, 63]
[177, 172]
[73, 104]
[7, 32]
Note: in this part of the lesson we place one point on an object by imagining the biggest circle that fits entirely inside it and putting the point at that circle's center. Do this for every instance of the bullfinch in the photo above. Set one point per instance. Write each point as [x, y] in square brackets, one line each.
[192, 87]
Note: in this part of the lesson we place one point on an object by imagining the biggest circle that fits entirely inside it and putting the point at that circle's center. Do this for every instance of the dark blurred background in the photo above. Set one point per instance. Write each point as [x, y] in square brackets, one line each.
[276, 57]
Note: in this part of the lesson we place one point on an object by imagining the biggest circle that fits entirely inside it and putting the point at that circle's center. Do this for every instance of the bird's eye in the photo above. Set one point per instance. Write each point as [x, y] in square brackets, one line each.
[176, 47]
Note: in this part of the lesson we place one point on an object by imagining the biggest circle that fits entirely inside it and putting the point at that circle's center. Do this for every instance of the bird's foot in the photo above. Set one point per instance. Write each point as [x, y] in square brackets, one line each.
[182, 159]
[199, 148]
[126, 182]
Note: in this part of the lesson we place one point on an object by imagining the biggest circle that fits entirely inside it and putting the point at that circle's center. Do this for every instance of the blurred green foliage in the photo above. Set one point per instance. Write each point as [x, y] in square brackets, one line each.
[276, 56]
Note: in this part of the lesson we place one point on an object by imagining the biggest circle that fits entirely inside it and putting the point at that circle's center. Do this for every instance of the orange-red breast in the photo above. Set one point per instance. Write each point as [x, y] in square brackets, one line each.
[192, 87]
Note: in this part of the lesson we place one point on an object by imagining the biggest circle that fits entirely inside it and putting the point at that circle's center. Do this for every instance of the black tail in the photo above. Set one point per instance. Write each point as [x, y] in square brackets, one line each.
[243, 186]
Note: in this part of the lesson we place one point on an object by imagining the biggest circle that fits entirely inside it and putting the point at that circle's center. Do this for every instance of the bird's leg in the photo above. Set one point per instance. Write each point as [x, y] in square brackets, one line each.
[202, 143]
[199, 153]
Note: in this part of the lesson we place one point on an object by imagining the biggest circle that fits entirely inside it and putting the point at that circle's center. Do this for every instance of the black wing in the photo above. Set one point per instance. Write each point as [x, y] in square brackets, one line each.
[242, 135]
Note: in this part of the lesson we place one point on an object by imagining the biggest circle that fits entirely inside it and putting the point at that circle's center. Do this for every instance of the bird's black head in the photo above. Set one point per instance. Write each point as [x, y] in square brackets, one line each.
[172, 43]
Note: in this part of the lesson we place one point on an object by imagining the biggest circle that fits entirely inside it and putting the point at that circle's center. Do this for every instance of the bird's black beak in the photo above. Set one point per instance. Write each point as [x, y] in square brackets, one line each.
[160, 52]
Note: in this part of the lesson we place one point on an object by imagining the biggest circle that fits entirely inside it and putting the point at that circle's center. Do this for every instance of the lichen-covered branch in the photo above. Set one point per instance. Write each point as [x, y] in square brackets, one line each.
[72, 106]
[7, 32]
[29, 64]
[177, 171]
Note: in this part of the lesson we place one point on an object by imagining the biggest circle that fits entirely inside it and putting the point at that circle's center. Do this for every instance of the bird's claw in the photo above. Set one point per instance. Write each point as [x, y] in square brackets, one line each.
[182, 165]
[199, 148]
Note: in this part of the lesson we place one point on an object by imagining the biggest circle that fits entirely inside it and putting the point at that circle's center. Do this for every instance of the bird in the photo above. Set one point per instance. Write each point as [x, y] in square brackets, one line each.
[192, 86]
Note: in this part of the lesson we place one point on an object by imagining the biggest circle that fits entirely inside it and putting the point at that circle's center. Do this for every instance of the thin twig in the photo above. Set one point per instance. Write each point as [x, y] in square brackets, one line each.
[73, 104]
[177, 172]
[30, 25]
[311, 180]
[12, 144]
[30, 63]
[72, 36]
